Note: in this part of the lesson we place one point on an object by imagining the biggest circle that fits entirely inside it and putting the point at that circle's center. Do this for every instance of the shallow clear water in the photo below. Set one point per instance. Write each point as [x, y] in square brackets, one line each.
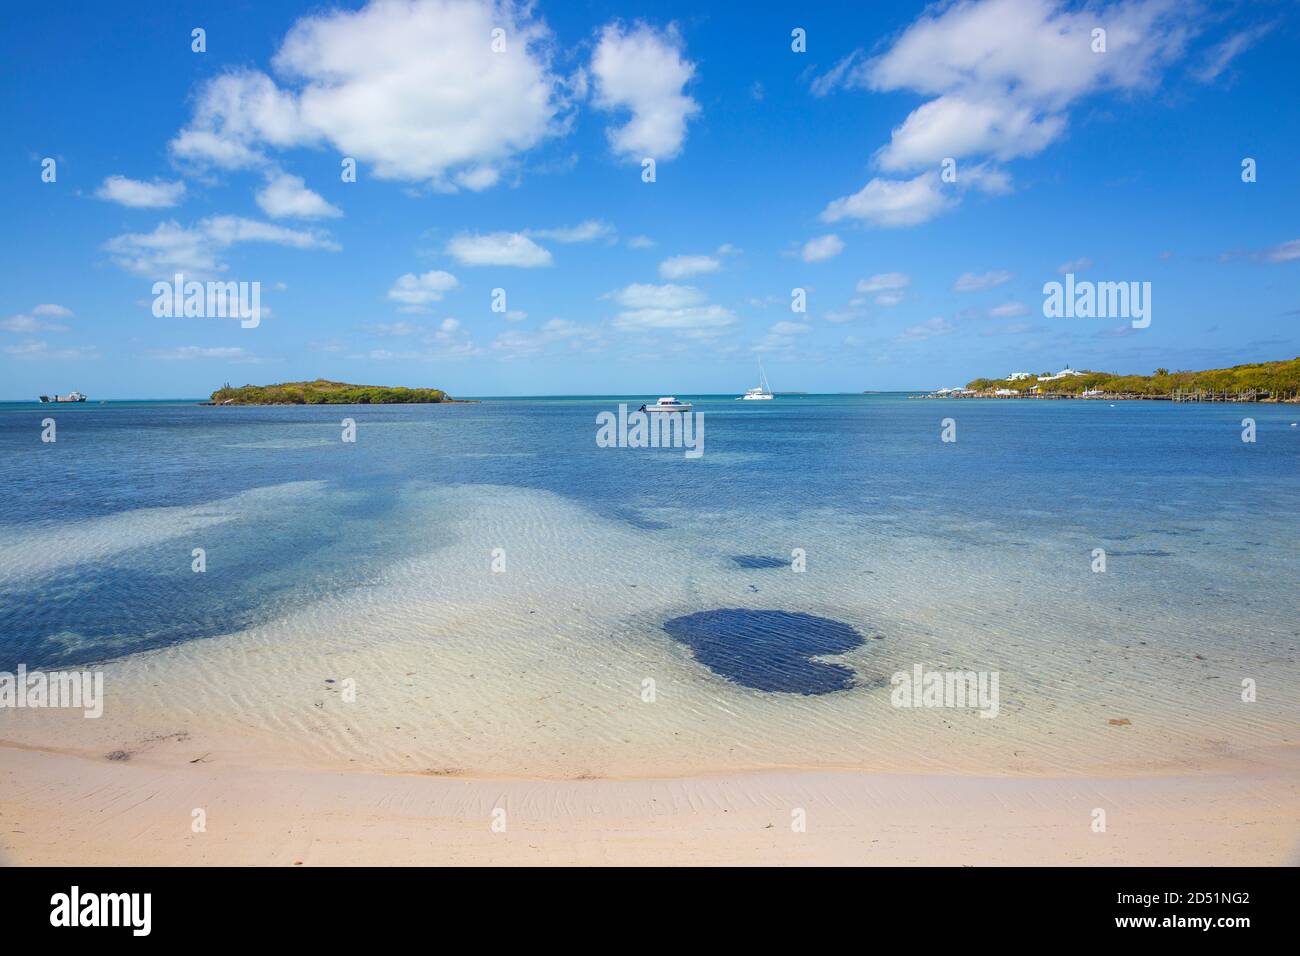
[377, 557]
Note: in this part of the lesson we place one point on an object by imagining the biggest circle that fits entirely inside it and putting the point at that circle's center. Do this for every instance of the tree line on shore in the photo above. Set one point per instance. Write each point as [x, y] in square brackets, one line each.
[324, 392]
[1272, 379]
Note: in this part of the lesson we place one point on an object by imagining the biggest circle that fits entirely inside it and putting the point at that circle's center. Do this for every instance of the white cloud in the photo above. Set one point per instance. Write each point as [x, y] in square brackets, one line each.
[822, 248]
[845, 73]
[413, 290]
[682, 267]
[789, 328]
[445, 348]
[698, 317]
[287, 196]
[1003, 75]
[667, 296]
[443, 341]
[647, 307]
[514, 343]
[986, 177]
[562, 328]
[187, 352]
[773, 342]
[587, 231]
[196, 250]
[1040, 50]
[236, 113]
[217, 149]
[1008, 310]
[931, 328]
[884, 282]
[169, 248]
[1014, 328]
[33, 350]
[36, 319]
[29, 324]
[478, 178]
[642, 70]
[1075, 265]
[411, 87]
[140, 195]
[227, 230]
[1283, 252]
[971, 282]
[891, 202]
[1222, 55]
[957, 126]
[393, 329]
[498, 249]
[640, 242]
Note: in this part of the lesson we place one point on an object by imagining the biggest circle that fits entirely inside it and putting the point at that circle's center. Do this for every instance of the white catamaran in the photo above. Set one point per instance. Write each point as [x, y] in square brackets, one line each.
[761, 392]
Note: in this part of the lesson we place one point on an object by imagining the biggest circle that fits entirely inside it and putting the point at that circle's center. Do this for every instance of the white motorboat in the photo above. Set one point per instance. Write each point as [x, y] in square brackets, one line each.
[667, 404]
[759, 393]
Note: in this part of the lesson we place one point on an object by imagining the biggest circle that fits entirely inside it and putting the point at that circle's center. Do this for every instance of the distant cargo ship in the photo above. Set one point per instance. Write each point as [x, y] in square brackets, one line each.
[70, 397]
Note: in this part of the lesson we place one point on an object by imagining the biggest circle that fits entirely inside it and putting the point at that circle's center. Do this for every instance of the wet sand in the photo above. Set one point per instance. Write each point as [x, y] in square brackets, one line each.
[59, 808]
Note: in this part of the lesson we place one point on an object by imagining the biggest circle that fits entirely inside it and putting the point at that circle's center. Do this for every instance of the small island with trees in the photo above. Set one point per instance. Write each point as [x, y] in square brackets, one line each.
[324, 392]
[1258, 382]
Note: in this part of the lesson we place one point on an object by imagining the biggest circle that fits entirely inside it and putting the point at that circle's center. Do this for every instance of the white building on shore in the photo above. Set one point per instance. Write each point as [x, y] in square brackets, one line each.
[1066, 372]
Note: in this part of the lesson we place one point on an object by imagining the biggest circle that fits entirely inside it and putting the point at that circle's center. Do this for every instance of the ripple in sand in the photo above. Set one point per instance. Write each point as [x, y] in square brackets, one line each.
[759, 561]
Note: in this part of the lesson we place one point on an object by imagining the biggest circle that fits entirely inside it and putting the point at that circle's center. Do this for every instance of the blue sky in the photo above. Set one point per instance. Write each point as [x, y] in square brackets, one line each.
[521, 170]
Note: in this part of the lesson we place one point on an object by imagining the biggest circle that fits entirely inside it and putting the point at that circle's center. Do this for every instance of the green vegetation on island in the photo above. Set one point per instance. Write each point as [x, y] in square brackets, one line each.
[1261, 381]
[324, 392]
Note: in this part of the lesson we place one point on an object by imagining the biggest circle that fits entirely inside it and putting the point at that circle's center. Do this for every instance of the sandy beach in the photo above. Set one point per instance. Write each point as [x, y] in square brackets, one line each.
[393, 722]
[58, 808]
